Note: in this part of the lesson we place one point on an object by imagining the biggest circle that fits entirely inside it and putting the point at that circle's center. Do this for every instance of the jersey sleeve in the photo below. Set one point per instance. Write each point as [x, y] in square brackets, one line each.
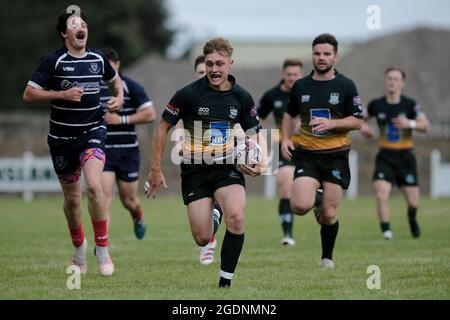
[177, 107]
[110, 74]
[264, 107]
[43, 73]
[369, 110]
[416, 110]
[139, 96]
[353, 103]
[248, 118]
[293, 107]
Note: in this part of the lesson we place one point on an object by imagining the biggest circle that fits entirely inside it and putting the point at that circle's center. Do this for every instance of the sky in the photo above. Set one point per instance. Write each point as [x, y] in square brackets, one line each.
[298, 19]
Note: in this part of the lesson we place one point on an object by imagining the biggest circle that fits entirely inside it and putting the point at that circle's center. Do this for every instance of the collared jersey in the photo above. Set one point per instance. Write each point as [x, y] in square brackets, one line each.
[276, 100]
[58, 71]
[135, 99]
[333, 99]
[209, 117]
[390, 136]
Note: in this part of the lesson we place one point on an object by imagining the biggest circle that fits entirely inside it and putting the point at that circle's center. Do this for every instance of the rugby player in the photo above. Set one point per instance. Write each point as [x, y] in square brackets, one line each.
[69, 79]
[329, 107]
[397, 116]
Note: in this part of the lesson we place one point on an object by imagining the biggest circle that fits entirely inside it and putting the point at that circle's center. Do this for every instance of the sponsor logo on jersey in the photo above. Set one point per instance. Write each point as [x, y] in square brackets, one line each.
[95, 141]
[382, 116]
[336, 173]
[66, 84]
[334, 98]
[219, 132]
[409, 179]
[278, 103]
[59, 162]
[320, 113]
[305, 98]
[233, 112]
[173, 110]
[253, 111]
[203, 111]
[133, 175]
[69, 68]
[234, 175]
[94, 68]
[357, 101]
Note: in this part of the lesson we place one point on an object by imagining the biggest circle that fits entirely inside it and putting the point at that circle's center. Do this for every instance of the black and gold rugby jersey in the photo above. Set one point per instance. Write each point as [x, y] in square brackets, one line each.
[209, 117]
[333, 99]
[390, 136]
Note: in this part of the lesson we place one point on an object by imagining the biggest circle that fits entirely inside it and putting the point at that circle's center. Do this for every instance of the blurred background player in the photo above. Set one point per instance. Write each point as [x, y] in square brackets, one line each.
[397, 116]
[206, 256]
[329, 107]
[122, 145]
[276, 100]
[69, 79]
[218, 103]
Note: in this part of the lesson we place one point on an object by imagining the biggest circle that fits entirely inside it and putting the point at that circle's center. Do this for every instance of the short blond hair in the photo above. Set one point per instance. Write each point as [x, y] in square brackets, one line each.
[218, 44]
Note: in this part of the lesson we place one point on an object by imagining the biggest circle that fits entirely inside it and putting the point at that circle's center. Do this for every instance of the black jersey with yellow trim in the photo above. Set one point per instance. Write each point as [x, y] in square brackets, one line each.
[276, 101]
[390, 136]
[209, 117]
[333, 99]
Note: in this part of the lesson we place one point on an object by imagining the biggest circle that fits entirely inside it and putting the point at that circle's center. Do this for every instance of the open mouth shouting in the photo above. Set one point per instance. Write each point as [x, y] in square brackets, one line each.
[215, 77]
[80, 35]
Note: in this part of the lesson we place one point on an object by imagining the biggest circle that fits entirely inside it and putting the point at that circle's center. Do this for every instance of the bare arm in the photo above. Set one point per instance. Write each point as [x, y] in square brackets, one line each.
[286, 142]
[366, 129]
[116, 102]
[156, 177]
[32, 94]
[421, 123]
[142, 116]
[347, 123]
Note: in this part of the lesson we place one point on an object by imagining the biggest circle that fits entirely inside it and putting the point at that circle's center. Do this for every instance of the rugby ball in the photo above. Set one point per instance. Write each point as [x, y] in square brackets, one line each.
[247, 152]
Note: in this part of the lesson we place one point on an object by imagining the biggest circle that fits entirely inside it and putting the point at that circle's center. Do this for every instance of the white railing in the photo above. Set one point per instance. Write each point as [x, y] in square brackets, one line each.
[439, 176]
[27, 175]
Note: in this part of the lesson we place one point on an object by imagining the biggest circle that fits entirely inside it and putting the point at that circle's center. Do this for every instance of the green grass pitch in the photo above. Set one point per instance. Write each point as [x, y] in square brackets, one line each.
[35, 250]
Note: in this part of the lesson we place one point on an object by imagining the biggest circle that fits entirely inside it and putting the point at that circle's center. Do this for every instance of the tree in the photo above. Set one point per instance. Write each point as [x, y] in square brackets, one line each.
[133, 27]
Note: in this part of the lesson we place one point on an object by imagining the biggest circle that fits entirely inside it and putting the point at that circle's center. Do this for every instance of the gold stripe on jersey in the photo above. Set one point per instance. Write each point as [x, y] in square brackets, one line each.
[395, 139]
[335, 140]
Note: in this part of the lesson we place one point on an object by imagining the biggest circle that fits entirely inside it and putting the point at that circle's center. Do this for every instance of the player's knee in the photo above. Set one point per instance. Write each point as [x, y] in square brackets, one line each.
[381, 194]
[235, 220]
[201, 239]
[131, 202]
[329, 214]
[94, 189]
[72, 201]
[300, 208]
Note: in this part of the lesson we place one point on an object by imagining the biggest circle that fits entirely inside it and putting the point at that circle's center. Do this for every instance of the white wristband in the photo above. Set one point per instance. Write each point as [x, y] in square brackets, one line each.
[412, 124]
[124, 119]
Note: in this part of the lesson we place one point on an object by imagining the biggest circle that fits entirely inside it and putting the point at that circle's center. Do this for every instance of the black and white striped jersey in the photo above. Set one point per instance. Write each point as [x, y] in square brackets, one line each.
[59, 70]
[135, 98]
